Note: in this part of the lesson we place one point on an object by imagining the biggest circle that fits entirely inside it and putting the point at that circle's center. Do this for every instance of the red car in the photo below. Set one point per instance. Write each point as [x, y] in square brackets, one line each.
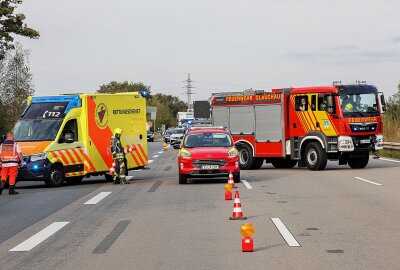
[208, 152]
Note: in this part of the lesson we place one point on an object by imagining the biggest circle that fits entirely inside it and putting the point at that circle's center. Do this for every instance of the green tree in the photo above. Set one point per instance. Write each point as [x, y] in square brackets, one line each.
[393, 106]
[16, 84]
[118, 87]
[12, 23]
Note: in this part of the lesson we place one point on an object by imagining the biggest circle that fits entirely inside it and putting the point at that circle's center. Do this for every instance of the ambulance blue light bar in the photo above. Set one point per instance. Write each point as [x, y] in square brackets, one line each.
[73, 101]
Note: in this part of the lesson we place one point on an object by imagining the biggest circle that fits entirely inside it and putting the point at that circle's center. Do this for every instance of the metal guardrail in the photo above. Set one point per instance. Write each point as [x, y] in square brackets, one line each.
[391, 145]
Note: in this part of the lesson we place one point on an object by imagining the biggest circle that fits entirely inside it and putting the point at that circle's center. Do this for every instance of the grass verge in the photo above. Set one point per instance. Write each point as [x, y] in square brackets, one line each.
[389, 153]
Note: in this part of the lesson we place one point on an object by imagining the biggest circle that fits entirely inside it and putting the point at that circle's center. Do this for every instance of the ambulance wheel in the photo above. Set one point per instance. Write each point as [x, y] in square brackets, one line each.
[246, 158]
[182, 179]
[74, 180]
[258, 162]
[56, 176]
[315, 156]
[236, 177]
[109, 177]
[358, 162]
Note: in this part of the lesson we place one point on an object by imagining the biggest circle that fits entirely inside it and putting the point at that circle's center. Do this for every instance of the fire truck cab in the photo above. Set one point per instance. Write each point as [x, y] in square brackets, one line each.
[306, 126]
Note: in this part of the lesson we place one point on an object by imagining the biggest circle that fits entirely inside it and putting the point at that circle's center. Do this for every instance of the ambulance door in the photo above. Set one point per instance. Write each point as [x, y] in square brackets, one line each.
[70, 148]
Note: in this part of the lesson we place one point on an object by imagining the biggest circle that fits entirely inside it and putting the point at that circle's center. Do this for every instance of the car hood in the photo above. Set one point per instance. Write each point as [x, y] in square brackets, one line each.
[209, 152]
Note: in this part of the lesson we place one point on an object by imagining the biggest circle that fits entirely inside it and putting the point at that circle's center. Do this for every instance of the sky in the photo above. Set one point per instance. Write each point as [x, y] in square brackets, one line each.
[225, 45]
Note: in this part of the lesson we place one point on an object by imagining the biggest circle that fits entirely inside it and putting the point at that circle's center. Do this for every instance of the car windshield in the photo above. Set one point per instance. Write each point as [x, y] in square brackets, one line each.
[359, 105]
[207, 139]
[179, 131]
[37, 130]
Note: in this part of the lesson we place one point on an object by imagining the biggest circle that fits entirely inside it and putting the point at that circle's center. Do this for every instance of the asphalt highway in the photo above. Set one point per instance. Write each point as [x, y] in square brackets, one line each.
[338, 218]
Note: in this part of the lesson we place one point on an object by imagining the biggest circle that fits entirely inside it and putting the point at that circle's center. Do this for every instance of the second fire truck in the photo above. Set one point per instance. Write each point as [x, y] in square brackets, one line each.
[306, 126]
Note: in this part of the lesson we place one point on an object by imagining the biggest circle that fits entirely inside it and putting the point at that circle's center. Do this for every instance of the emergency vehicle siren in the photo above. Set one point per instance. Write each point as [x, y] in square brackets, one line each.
[237, 208]
[228, 192]
[247, 230]
[230, 180]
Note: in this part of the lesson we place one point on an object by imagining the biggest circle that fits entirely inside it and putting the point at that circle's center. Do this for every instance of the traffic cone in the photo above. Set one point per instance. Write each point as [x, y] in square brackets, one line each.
[237, 208]
[112, 169]
[230, 180]
[164, 146]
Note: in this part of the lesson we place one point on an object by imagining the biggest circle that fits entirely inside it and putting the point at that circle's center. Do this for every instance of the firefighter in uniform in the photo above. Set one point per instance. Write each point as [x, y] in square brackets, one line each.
[119, 158]
[11, 157]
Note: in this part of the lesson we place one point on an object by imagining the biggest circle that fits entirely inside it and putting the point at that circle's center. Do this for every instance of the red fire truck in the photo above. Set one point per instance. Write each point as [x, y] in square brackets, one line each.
[306, 126]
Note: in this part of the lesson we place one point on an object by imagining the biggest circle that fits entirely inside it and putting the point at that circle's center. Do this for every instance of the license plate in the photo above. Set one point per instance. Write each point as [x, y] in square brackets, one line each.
[365, 141]
[209, 167]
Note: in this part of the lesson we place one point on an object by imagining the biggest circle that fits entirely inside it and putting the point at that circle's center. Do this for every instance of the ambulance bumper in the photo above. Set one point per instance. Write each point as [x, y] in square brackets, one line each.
[34, 171]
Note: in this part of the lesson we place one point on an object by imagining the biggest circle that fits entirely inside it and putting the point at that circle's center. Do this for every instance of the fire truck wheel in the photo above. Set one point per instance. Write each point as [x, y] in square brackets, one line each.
[56, 176]
[315, 156]
[246, 157]
[358, 162]
[182, 179]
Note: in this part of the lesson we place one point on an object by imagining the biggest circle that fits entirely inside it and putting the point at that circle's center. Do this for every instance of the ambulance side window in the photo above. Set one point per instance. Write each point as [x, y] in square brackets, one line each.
[301, 103]
[70, 127]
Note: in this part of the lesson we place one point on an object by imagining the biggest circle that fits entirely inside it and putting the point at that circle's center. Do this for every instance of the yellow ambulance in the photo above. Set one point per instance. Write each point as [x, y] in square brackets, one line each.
[66, 137]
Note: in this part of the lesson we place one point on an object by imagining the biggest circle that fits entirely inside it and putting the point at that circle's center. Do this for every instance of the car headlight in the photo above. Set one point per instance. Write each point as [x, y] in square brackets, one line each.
[233, 153]
[40, 156]
[183, 153]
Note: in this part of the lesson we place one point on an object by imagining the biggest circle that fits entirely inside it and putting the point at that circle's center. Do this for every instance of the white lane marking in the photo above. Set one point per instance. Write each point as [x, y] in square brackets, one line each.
[161, 152]
[391, 160]
[155, 156]
[150, 161]
[139, 170]
[98, 197]
[247, 184]
[38, 238]
[290, 240]
[365, 180]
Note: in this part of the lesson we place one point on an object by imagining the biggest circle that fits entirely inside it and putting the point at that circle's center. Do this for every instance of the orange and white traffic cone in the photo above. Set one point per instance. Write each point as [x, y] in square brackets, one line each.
[230, 180]
[237, 208]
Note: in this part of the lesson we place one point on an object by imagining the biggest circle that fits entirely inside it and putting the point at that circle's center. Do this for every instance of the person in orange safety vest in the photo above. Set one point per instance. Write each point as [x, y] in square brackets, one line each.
[11, 158]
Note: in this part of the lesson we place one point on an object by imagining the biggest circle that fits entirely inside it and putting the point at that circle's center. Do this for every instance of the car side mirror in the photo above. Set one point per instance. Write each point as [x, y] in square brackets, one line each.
[69, 138]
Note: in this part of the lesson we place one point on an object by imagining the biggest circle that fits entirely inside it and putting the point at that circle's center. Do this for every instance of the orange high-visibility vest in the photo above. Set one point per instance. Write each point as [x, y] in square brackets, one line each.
[9, 152]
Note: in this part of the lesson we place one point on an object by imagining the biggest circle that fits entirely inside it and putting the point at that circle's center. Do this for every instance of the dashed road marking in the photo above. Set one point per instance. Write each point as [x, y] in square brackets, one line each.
[290, 240]
[161, 152]
[98, 197]
[391, 160]
[247, 185]
[365, 180]
[155, 156]
[150, 161]
[38, 238]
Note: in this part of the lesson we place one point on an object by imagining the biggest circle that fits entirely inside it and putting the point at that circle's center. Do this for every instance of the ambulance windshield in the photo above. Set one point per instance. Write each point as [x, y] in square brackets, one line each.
[37, 130]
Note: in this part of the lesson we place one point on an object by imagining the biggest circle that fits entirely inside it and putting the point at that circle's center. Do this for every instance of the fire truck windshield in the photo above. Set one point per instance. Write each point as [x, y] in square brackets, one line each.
[359, 105]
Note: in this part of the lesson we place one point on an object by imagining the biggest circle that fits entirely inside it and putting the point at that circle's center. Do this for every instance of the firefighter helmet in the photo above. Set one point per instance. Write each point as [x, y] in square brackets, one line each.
[348, 107]
[118, 131]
